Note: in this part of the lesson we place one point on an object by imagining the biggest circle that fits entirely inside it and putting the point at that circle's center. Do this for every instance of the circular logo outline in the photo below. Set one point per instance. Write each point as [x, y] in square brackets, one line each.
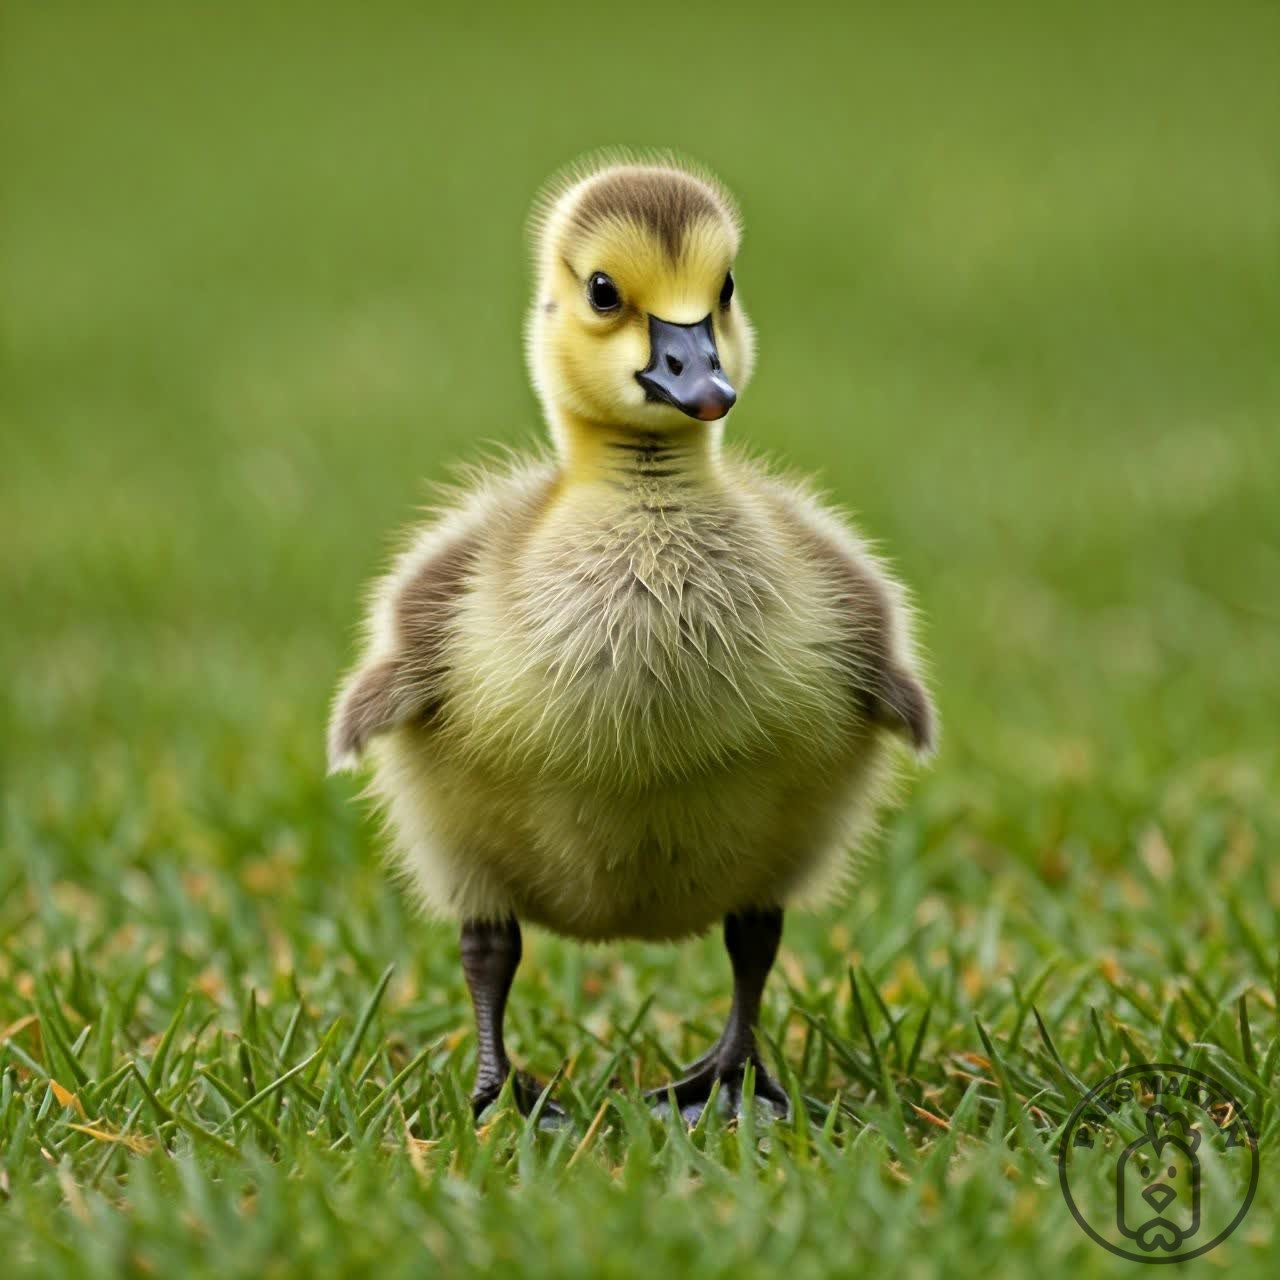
[1220, 1093]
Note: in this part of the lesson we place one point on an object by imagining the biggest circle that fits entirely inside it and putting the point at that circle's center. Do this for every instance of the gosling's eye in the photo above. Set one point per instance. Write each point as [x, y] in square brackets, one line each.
[726, 289]
[602, 293]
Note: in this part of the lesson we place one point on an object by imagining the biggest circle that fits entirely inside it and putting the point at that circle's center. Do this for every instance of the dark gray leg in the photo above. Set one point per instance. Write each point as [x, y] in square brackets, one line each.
[751, 939]
[490, 956]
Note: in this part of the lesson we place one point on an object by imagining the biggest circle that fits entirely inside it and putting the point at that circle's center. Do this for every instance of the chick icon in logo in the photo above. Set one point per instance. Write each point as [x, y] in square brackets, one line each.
[1159, 1163]
[1158, 1184]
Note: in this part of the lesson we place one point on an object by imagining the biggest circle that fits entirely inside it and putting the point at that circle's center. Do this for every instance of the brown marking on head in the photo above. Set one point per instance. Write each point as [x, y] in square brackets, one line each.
[666, 202]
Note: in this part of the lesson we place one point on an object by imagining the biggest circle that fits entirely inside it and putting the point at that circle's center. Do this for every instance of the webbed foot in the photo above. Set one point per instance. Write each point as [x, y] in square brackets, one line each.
[693, 1090]
[525, 1090]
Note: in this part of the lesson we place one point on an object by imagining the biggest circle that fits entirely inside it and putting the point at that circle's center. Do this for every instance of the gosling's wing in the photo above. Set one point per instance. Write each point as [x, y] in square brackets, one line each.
[878, 654]
[403, 675]
[401, 680]
[367, 703]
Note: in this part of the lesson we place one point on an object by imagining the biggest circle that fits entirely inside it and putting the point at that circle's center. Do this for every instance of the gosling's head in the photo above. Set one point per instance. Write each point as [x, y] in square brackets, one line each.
[636, 320]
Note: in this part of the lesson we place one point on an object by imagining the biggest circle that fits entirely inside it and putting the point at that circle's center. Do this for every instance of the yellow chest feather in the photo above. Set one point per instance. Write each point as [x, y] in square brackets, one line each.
[645, 635]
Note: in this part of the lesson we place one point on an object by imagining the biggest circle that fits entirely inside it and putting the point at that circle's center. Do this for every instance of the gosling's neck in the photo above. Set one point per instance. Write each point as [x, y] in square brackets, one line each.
[594, 455]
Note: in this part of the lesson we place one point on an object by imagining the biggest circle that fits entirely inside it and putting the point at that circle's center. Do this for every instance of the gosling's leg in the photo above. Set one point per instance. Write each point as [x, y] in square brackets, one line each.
[751, 939]
[491, 953]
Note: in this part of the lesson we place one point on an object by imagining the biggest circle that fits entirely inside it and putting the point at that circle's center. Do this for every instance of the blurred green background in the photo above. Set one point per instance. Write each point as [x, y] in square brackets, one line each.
[1016, 276]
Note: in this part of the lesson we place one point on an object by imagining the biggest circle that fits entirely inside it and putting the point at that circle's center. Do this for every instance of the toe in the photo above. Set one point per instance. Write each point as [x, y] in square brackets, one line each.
[769, 1100]
[525, 1092]
[691, 1112]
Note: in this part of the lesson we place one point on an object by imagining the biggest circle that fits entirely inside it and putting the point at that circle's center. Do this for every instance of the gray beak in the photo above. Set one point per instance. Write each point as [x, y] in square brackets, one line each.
[684, 370]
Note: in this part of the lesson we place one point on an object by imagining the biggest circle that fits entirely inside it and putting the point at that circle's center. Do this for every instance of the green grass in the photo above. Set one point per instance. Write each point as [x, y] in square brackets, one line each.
[1017, 280]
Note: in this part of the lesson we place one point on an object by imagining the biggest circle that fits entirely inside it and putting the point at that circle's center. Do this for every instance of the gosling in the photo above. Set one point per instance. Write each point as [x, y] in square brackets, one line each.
[644, 685]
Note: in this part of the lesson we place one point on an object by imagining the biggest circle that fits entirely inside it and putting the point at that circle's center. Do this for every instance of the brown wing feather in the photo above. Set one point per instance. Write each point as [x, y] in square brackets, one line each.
[407, 684]
[890, 693]
[906, 706]
[368, 704]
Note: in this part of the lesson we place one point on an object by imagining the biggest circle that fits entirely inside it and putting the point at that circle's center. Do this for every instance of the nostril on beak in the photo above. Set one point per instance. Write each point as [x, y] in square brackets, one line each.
[676, 366]
[715, 361]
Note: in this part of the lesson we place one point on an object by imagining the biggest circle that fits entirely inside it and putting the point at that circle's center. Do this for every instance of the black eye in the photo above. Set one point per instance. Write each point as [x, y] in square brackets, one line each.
[602, 293]
[726, 289]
